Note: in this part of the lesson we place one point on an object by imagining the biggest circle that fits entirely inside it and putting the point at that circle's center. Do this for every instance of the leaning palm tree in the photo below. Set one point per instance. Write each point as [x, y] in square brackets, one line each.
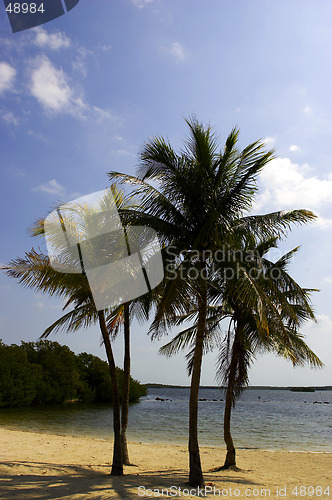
[35, 271]
[119, 316]
[197, 204]
[41, 273]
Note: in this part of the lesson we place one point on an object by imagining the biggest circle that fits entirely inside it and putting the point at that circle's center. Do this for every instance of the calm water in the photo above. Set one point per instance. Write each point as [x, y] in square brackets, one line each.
[280, 420]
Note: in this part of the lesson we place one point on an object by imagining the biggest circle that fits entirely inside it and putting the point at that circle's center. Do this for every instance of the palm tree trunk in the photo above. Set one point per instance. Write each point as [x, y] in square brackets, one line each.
[230, 461]
[230, 456]
[125, 386]
[117, 465]
[195, 468]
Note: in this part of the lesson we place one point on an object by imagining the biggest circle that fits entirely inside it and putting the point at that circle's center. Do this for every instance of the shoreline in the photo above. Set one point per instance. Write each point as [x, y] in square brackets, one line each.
[50, 466]
[160, 442]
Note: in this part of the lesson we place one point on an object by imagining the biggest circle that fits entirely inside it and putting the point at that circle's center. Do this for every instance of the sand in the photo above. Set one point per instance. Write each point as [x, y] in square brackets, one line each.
[45, 466]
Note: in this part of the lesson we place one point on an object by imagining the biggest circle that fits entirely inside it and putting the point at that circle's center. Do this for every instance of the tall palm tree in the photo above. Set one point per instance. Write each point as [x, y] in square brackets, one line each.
[198, 208]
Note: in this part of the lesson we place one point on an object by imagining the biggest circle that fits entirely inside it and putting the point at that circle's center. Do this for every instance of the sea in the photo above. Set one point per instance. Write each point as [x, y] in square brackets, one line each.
[262, 419]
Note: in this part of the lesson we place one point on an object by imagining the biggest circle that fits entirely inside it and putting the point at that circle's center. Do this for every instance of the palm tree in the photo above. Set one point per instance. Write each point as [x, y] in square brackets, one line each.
[122, 316]
[34, 271]
[30, 272]
[287, 306]
[198, 209]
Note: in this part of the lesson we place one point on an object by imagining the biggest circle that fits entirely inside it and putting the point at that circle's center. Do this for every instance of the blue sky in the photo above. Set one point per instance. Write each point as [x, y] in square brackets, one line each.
[80, 95]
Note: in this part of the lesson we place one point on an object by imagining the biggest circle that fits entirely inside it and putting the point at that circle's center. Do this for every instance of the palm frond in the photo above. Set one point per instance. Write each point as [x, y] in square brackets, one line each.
[80, 317]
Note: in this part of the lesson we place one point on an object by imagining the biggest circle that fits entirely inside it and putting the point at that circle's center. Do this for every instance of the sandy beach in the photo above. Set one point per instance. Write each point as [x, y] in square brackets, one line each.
[46, 466]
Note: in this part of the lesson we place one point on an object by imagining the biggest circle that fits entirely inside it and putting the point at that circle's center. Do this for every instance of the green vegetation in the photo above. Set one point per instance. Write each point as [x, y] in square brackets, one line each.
[46, 372]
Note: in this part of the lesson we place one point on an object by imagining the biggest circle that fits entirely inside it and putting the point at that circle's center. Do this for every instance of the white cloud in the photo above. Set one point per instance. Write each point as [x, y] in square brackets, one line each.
[42, 305]
[323, 222]
[105, 47]
[7, 76]
[307, 110]
[286, 185]
[269, 141]
[49, 86]
[328, 279]
[324, 322]
[51, 89]
[101, 114]
[141, 3]
[9, 118]
[176, 50]
[37, 135]
[294, 148]
[54, 41]
[79, 62]
[52, 187]
[123, 152]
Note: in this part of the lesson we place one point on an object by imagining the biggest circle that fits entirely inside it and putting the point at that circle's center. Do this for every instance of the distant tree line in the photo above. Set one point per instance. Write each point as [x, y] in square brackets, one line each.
[45, 372]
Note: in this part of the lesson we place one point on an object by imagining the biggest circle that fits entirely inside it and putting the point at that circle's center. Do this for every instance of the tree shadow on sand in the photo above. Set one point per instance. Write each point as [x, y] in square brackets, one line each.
[59, 481]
